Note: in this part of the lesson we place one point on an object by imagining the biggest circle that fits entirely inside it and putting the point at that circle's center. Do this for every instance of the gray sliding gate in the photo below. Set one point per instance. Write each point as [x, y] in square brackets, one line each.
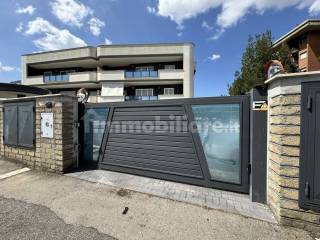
[200, 141]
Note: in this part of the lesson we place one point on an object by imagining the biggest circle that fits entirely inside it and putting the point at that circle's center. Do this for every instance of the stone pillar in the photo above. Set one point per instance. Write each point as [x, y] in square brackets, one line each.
[284, 97]
[55, 154]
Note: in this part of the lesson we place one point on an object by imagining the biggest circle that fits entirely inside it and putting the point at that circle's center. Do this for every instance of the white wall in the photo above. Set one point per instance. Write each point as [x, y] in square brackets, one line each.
[83, 77]
[110, 75]
[188, 67]
[35, 80]
[111, 89]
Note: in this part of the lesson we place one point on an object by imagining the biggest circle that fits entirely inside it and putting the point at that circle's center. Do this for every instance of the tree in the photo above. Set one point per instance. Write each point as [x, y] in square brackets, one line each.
[257, 53]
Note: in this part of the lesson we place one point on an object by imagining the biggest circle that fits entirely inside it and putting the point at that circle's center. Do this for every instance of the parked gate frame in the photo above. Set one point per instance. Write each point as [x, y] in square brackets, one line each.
[244, 103]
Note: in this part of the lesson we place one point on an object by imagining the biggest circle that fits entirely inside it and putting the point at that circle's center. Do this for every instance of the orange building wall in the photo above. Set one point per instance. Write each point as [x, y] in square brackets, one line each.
[303, 63]
[313, 51]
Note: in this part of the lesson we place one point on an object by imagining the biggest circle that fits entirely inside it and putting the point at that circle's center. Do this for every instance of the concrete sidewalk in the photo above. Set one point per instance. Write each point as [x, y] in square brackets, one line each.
[205, 197]
[87, 204]
[8, 166]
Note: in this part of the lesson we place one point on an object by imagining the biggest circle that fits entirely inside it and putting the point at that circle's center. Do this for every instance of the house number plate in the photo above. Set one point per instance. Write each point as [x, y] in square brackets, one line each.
[47, 125]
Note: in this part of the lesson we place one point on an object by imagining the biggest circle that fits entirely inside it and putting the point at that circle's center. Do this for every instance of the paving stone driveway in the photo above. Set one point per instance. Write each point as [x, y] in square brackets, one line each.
[210, 198]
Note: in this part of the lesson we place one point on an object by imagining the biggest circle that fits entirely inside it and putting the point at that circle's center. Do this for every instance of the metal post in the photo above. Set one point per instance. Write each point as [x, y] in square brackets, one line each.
[258, 145]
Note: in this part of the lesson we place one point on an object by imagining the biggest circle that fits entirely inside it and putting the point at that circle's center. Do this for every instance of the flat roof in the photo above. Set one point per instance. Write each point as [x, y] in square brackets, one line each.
[8, 87]
[310, 24]
[113, 45]
[59, 50]
[35, 97]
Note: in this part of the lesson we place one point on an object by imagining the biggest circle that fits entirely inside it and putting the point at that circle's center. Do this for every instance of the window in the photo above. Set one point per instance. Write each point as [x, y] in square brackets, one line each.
[170, 67]
[145, 68]
[304, 69]
[303, 40]
[144, 92]
[303, 55]
[168, 91]
[64, 75]
[47, 76]
[19, 120]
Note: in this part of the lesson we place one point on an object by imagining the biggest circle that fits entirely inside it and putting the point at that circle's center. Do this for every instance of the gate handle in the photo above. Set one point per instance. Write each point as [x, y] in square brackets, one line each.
[307, 190]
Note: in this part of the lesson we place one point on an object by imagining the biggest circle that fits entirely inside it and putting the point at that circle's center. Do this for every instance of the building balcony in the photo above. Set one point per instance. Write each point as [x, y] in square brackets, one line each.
[59, 57]
[60, 78]
[140, 98]
[122, 75]
[141, 74]
[83, 77]
[111, 75]
[55, 78]
[171, 74]
[175, 96]
[33, 80]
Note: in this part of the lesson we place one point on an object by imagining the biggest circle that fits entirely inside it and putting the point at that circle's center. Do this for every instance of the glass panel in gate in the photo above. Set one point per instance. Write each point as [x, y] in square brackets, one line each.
[94, 122]
[219, 128]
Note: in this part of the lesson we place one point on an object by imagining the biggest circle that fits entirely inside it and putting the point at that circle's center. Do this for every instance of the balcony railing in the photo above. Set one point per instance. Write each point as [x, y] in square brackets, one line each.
[141, 74]
[71, 77]
[56, 78]
[140, 98]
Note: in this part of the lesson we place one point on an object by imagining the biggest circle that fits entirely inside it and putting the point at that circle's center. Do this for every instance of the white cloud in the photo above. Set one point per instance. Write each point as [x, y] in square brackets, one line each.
[95, 25]
[180, 10]
[315, 8]
[206, 26]
[231, 11]
[107, 41]
[4, 68]
[26, 10]
[71, 12]
[19, 28]
[215, 57]
[179, 34]
[218, 34]
[52, 38]
[151, 10]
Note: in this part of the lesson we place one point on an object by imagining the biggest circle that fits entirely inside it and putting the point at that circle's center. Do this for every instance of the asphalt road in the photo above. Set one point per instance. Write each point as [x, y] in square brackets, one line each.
[20, 220]
[37, 205]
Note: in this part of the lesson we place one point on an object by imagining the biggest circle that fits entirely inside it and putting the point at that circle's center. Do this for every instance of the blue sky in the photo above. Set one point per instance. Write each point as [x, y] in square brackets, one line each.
[218, 28]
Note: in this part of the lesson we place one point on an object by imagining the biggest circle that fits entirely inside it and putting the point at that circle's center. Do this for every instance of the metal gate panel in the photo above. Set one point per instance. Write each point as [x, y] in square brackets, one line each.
[175, 154]
[10, 124]
[130, 145]
[309, 181]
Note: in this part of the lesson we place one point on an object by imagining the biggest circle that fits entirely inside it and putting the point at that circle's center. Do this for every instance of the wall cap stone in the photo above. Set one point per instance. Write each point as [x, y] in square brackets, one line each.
[292, 75]
[37, 97]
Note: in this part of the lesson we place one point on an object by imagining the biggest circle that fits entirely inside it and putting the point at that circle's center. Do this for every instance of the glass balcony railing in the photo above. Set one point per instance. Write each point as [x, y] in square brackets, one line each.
[140, 98]
[141, 74]
[55, 78]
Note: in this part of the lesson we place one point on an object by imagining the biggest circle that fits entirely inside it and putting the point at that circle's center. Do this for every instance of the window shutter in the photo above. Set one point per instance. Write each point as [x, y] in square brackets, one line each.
[26, 124]
[168, 91]
[10, 124]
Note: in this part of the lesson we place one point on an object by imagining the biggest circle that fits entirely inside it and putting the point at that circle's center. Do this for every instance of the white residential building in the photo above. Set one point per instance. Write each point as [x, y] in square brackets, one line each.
[115, 72]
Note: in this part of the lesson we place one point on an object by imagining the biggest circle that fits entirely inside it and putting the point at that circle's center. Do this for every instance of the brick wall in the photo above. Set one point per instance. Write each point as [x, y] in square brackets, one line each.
[53, 155]
[284, 155]
[313, 51]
